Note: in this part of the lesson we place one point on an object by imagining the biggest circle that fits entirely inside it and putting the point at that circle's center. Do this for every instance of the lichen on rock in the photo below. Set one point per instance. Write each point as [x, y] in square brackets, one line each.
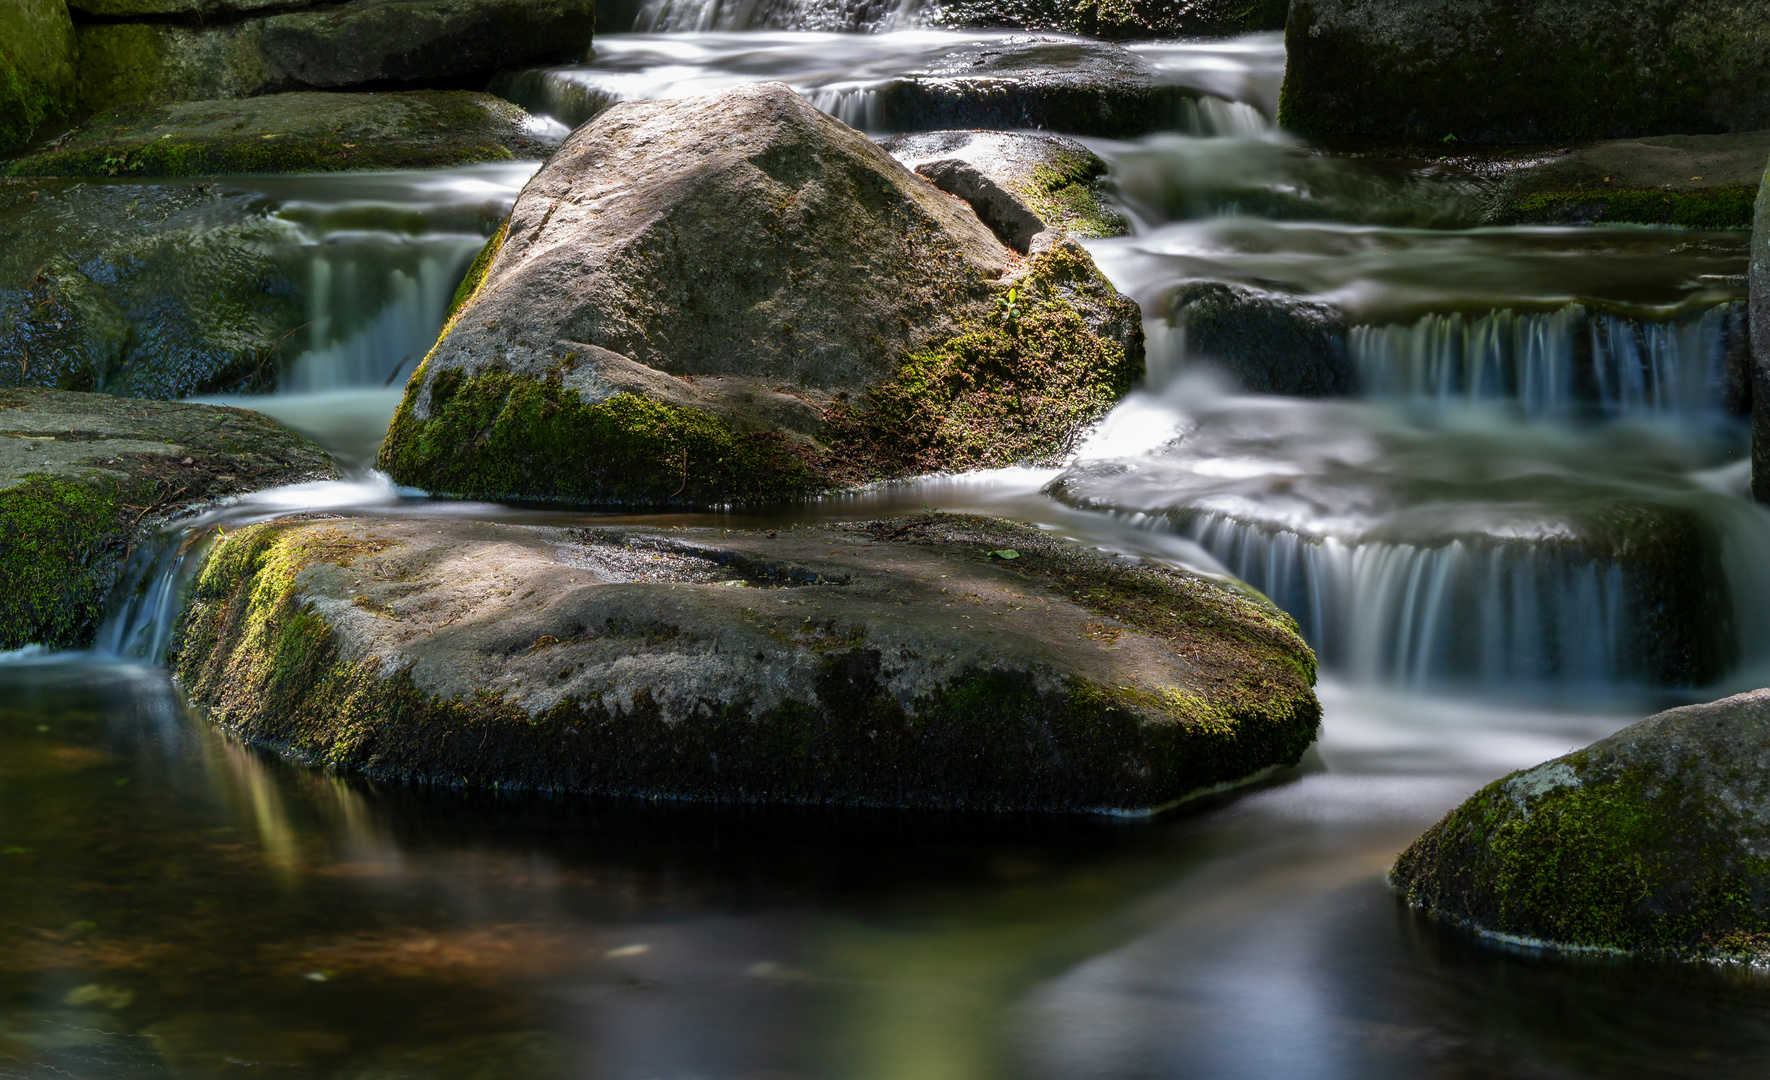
[1654, 841]
[740, 298]
[900, 663]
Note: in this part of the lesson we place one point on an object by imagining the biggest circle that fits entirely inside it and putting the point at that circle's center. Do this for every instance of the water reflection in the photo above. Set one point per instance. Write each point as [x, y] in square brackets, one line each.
[180, 906]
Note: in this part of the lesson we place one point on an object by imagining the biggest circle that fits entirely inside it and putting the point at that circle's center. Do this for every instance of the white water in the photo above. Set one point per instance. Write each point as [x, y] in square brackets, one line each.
[850, 76]
[853, 16]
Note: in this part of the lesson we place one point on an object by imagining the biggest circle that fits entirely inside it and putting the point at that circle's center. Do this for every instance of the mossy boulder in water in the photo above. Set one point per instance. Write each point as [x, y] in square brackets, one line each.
[367, 42]
[1019, 183]
[84, 477]
[1120, 18]
[1270, 343]
[1525, 70]
[296, 132]
[156, 291]
[1653, 841]
[1693, 181]
[940, 661]
[37, 59]
[740, 298]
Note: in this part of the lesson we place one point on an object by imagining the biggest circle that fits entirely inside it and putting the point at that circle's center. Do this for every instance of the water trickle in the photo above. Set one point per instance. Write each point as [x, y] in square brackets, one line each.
[851, 16]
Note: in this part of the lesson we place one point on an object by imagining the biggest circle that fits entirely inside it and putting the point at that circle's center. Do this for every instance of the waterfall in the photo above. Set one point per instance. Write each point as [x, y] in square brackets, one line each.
[1550, 363]
[149, 597]
[850, 16]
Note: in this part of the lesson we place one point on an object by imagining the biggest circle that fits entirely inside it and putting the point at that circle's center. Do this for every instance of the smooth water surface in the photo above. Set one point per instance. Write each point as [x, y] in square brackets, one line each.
[181, 906]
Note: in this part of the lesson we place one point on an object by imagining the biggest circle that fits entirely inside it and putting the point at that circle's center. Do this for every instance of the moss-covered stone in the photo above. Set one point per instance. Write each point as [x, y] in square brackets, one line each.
[938, 662]
[37, 56]
[296, 132]
[1525, 70]
[365, 43]
[84, 477]
[1655, 841]
[1057, 181]
[1717, 208]
[1759, 319]
[793, 314]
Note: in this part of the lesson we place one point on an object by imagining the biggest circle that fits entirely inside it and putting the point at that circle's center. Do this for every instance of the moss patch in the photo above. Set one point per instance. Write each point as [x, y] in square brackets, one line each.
[1629, 861]
[1066, 194]
[1724, 207]
[62, 545]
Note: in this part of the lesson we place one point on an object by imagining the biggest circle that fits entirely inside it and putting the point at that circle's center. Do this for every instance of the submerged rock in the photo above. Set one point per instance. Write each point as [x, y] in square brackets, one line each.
[1655, 841]
[1120, 18]
[940, 661]
[297, 132]
[738, 297]
[1270, 343]
[1505, 71]
[83, 477]
[37, 60]
[367, 42]
[1018, 182]
[1694, 181]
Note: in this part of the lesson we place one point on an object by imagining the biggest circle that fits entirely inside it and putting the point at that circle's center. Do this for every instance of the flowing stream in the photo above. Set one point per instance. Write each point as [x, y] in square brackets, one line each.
[1514, 524]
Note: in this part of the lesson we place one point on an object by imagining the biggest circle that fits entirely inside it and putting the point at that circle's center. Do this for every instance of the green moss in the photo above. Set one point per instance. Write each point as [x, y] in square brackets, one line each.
[25, 105]
[476, 273]
[1630, 861]
[222, 157]
[62, 545]
[1723, 207]
[1010, 391]
[499, 436]
[1001, 393]
[1066, 194]
[270, 668]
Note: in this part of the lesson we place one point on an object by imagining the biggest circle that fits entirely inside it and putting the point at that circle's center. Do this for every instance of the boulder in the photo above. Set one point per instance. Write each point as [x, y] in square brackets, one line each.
[941, 661]
[1270, 343]
[37, 59]
[364, 42]
[1694, 181]
[295, 132]
[1654, 841]
[1120, 18]
[84, 477]
[1525, 70]
[1759, 321]
[736, 298]
[1019, 183]
[159, 291]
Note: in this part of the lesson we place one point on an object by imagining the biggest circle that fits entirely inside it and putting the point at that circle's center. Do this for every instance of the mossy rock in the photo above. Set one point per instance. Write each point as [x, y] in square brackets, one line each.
[1759, 319]
[1521, 71]
[1120, 18]
[37, 60]
[788, 313]
[942, 661]
[296, 132]
[1691, 181]
[366, 43]
[155, 291]
[1655, 841]
[86, 477]
[1018, 182]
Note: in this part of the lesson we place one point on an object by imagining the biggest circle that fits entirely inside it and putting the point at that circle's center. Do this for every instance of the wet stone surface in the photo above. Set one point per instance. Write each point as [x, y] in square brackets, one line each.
[942, 661]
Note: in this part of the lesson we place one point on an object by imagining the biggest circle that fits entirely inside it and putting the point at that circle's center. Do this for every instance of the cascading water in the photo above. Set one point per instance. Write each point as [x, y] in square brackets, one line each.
[853, 16]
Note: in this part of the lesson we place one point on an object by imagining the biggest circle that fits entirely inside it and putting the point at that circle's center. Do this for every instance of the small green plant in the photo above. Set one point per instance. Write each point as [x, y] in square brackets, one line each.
[1008, 308]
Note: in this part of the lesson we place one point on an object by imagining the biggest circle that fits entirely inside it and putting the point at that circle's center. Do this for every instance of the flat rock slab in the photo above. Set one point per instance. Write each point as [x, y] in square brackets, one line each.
[1696, 181]
[296, 132]
[941, 661]
[1018, 182]
[83, 477]
[1655, 840]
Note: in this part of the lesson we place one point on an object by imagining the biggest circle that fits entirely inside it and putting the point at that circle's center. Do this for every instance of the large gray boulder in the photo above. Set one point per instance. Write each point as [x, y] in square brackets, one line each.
[295, 132]
[1525, 70]
[331, 46]
[86, 477]
[1655, 841]
[739, 297]
[37, 60]
[941, 661]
